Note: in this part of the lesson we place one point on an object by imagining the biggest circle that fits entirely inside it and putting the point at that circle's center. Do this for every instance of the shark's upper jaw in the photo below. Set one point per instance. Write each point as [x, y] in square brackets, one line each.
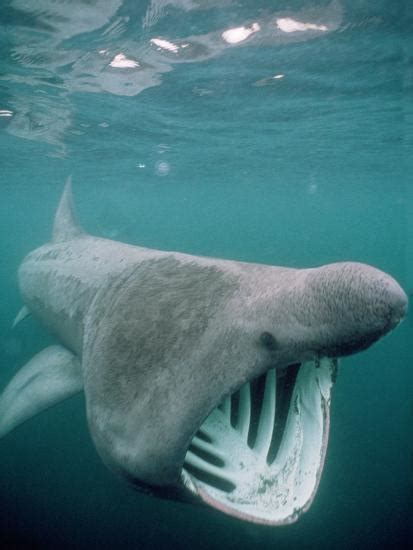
[260, 454]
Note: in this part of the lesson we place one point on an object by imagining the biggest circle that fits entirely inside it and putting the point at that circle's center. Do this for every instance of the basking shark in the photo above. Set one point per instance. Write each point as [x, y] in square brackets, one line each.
[205, 380]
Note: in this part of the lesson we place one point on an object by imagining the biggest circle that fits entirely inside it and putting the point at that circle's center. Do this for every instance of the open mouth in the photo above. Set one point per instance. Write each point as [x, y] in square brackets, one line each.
[259, 455]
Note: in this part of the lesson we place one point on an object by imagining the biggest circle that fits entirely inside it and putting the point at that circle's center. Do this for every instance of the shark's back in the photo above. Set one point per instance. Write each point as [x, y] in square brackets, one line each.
[59, 280]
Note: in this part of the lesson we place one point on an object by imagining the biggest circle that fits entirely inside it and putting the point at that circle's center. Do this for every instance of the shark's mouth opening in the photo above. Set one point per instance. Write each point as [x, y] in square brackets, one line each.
[259, 455]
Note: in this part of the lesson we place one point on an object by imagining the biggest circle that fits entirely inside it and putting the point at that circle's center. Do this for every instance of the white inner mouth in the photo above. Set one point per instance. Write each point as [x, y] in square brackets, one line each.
[260, 460]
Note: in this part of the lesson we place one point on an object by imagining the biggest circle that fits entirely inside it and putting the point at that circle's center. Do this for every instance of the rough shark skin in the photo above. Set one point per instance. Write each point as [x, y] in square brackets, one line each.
[158, 339]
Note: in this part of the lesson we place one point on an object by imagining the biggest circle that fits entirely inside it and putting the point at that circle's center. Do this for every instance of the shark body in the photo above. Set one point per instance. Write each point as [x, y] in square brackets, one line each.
[204, 379]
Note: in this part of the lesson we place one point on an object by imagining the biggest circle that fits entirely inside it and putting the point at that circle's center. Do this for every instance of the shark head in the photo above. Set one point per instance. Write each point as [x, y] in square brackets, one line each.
[205, 380]
[259, 455]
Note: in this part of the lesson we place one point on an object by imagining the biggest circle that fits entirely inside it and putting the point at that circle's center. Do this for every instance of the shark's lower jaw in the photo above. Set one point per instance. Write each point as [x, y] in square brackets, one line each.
[260, 454]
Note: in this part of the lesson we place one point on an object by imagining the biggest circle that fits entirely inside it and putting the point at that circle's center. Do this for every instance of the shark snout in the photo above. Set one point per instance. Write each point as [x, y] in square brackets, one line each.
[378, 302]
[398, 303]
[354, 305]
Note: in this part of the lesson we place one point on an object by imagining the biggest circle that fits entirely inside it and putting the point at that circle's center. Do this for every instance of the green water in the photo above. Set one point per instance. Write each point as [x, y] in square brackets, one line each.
[206, 152]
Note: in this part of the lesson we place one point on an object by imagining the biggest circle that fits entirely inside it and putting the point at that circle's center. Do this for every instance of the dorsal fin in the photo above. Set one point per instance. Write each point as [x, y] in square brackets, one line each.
[23, 313]
[65, 225]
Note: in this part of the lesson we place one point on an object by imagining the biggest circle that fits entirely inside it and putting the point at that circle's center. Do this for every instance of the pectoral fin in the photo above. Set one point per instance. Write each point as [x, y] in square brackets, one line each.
[51, 376]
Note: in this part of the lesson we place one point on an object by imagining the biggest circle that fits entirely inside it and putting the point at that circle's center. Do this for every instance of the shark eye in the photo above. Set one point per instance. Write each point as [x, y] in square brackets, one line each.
[268, 340]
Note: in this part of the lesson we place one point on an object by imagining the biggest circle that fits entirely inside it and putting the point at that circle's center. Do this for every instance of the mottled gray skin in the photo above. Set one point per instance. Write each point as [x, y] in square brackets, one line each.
[163, 336]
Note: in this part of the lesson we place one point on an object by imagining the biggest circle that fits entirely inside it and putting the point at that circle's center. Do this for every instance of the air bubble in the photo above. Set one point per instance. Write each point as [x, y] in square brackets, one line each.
[162, 168]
